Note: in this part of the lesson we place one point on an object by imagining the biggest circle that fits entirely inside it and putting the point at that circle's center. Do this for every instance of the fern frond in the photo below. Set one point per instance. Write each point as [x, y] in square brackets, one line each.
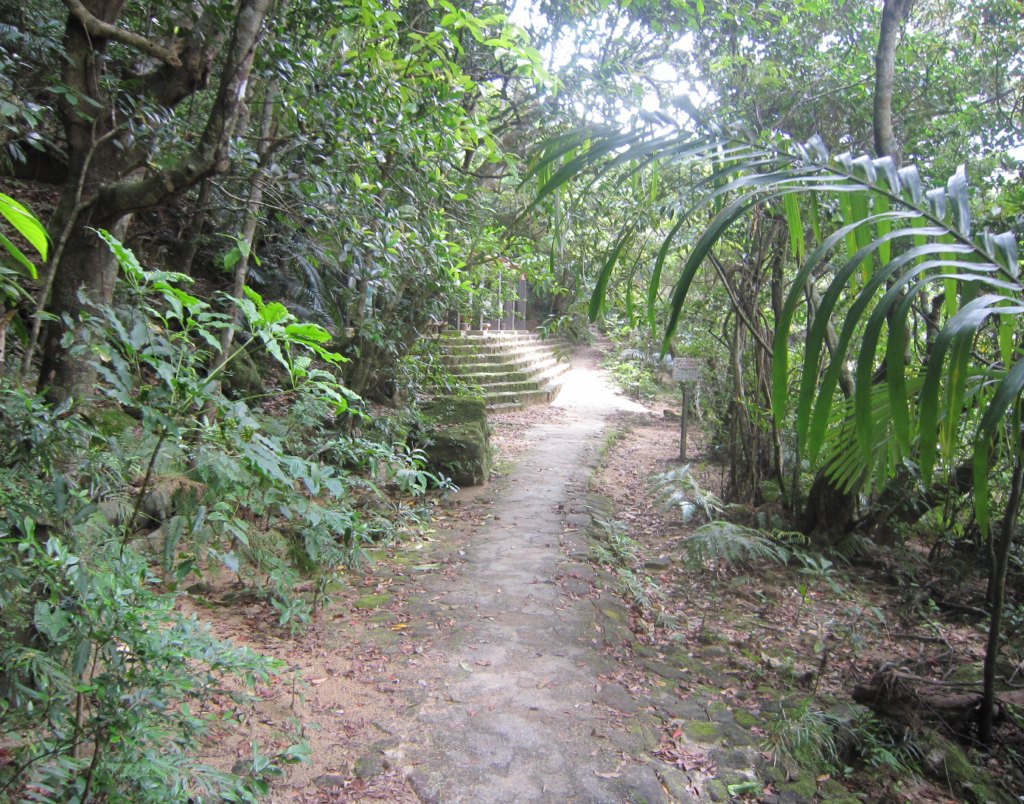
[677, 490]
[724, 544]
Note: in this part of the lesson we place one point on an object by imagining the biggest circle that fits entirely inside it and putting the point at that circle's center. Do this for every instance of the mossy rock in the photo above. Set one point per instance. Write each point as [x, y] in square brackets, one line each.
[836, 793]
[111, 421]
[805, 787]
[456, 410]
[460, 447]
[702, 732]
[739, 514]
[717, 791]
[373, 601]
[243, 377]
[968, 673]
[369, 766]
[953, 765]
[461, 452]
[745, 718]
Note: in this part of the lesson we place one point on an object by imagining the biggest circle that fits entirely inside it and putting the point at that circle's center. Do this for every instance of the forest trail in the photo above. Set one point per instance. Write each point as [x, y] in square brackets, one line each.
[518, 713]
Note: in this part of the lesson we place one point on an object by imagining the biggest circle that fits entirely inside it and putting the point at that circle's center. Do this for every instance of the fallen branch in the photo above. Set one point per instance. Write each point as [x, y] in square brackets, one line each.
[961, 608]
[936, 640]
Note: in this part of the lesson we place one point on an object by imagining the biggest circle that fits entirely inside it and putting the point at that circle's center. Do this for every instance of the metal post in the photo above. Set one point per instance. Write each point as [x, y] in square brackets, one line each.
[682, 422]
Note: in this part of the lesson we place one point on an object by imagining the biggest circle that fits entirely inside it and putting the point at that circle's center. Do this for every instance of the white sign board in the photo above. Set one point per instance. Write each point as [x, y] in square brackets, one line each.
[687, 369]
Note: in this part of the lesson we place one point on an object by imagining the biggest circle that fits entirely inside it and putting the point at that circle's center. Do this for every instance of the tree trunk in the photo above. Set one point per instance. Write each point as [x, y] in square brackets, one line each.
[106, 163]
[997, 596]
[187, 252]
[894, 14]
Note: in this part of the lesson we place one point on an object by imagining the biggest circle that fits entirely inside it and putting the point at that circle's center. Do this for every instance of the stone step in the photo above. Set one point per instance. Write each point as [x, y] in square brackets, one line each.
[506, 407]
[497, 350]
[512, 369]
[513, 362]
[516, 386]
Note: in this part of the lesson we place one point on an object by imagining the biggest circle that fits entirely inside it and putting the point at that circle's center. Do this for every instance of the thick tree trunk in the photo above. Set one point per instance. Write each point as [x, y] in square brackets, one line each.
[106, 164]
[894, 14]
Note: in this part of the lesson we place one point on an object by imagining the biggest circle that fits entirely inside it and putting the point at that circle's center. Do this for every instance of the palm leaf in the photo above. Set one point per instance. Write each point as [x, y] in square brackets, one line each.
[899, 239]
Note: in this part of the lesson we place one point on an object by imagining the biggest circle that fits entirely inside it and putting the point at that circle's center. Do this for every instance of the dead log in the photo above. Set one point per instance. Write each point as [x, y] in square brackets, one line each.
[913, 699]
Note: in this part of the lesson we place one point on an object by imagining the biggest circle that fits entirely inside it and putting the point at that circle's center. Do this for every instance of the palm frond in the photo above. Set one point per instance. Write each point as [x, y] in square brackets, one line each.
[896, 241]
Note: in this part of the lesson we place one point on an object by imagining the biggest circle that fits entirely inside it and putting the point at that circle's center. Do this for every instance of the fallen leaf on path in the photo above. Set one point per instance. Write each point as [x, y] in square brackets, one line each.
[612, 775]
[483, 662]
[465, 666]
[317, 681]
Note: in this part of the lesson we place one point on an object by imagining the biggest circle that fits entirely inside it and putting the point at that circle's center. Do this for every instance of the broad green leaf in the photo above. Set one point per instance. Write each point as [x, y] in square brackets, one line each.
[967, 320]
[960, 200]
[597, 299]
[26, 224]
[796, 226]
[26, 267]
[310, 332]
[1007, 393]
[884, 226]
[653, 286]
[126, 257]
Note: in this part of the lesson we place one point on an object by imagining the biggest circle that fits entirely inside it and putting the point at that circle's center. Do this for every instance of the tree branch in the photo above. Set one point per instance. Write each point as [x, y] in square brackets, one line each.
[104, 30]
[210, 155]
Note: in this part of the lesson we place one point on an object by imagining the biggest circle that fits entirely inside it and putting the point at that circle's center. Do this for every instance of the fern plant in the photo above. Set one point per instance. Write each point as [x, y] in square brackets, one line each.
[723, 545]
[804, 736]
[678, 490]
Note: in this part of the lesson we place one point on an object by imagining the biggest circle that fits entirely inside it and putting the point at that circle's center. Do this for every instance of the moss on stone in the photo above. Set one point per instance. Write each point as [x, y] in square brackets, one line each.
[456, 410]
[968, 673]
[983, 793]
[111, 421]
[373, 601]
[460, 446]
[745, 718]
[717, 791]
[806, 786]
[702, 732]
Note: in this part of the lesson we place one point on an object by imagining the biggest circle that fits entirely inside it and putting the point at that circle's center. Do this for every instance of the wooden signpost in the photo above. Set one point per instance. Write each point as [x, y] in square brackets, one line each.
[685, 370]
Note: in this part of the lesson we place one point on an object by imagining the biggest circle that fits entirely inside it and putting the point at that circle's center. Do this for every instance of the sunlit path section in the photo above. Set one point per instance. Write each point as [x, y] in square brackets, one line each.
[523, 716]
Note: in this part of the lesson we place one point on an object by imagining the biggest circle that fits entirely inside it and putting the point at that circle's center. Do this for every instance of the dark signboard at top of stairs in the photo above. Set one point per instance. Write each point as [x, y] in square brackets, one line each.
[513, 368]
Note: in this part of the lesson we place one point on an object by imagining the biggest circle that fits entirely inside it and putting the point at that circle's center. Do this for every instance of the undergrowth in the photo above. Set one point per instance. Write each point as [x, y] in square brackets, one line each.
[106, 691]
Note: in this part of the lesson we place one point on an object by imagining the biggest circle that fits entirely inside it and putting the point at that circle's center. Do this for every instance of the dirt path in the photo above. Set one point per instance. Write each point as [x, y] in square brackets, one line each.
[520, 713]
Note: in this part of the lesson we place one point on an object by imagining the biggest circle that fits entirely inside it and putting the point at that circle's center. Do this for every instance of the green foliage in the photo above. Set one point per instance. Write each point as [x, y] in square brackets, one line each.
[617, 549]
[105, 686]
[804, 737]
[678, 490]
[572, 326]
[723, 544]
[106, 689]
[900, 241]
[636, 588]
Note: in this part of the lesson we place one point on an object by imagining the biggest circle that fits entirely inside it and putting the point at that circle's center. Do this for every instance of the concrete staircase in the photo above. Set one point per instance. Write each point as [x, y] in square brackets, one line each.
[513, 368]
